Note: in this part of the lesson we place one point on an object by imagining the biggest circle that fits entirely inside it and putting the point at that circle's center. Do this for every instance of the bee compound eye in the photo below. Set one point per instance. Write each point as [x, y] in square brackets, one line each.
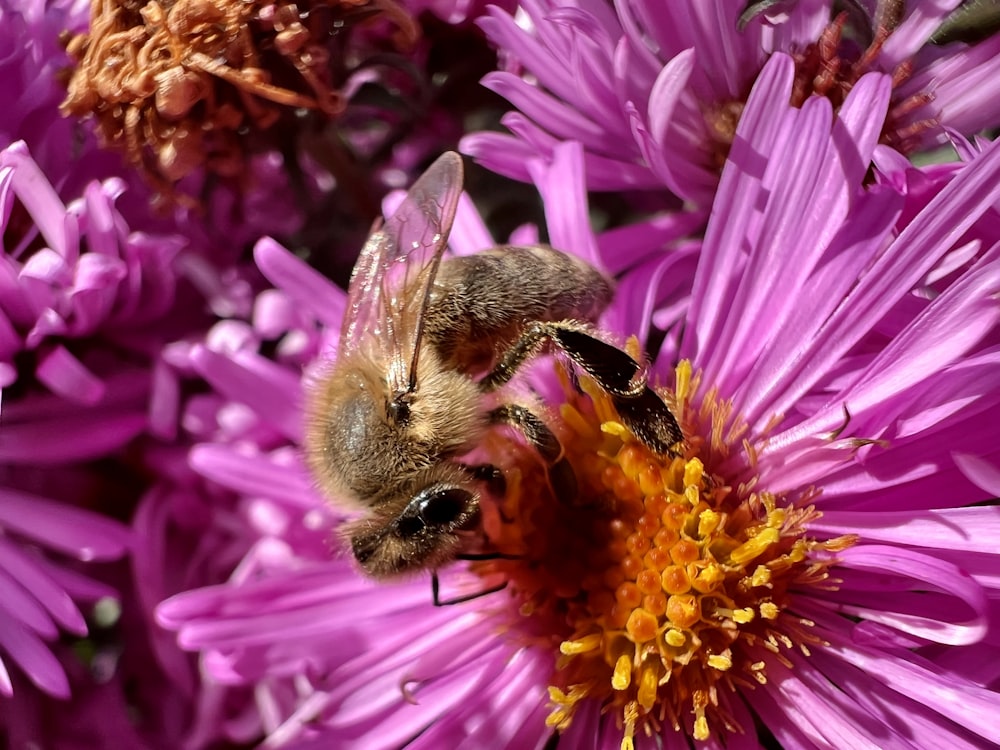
[443, 506]
[410, 523]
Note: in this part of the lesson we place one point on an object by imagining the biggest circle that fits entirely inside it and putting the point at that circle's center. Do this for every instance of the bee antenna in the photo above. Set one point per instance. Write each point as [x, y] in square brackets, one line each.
[439, 602]
[474, 556]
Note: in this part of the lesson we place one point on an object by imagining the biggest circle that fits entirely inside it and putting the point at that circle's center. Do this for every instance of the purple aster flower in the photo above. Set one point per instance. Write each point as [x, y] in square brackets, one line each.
[79, 293]
[131, 685]
[43, 596]
[86, 303]
[817, 547]
[31, 57]
[76, 273]
[654, 93]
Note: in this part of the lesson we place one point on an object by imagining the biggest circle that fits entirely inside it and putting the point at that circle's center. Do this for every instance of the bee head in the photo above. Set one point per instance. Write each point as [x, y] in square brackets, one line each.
[425, 534]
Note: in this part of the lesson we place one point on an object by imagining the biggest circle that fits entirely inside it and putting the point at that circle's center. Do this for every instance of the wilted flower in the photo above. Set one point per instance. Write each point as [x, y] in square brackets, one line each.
[203, 84]
[814, 549]
[654, 93]
[31, 59]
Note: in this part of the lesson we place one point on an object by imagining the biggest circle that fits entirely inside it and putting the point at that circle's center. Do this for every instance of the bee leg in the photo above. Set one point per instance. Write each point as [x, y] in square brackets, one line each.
[491, 476]
[561, 475]
[481, 556]
[496, 484]
[650, 419]
[614, 370]
[640, 408]
[439, 602]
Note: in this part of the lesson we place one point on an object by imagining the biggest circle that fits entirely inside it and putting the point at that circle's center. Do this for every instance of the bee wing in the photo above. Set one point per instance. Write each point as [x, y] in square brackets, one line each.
[392, 279]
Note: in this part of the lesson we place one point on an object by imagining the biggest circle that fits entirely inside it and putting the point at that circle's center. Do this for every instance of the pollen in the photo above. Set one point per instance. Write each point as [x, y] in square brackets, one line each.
[665, 586]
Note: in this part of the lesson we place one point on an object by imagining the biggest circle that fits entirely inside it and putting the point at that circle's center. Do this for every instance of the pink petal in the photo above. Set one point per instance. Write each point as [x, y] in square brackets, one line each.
[736, 200]
[66, 376]
[925, 572]
[49, 594]
[74, 437]
[37, 195]
[25, 609]
[560, 119]
[984, 474]
[58, 526]
[33, 657]
[914, 32]
[968, 706]
[561, 185]
[255, 475]
[968, 529]
[306, 287]
[273, 392]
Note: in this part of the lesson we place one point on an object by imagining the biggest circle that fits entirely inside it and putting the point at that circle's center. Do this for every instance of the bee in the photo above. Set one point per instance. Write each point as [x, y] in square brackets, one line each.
[427, 344]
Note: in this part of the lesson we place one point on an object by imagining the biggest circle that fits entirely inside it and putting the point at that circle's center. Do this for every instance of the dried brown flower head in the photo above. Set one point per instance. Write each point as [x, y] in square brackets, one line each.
[183, 84]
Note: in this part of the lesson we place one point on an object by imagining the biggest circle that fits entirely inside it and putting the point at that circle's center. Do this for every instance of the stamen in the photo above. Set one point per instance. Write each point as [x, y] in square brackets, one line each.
[660, 582]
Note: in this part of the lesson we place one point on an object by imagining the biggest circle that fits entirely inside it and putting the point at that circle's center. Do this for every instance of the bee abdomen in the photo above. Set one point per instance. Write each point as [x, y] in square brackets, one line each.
[481, 303]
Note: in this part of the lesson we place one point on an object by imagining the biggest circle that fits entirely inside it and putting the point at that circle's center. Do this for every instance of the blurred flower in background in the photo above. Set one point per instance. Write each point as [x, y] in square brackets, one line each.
[655, 93]
[199, 85]
[79, 294]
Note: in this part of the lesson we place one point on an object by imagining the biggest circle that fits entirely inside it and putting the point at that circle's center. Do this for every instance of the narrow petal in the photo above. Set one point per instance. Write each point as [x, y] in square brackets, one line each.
[302, 284]
[52, 596]
[735, 204]
[33, 657]
[561, 186]
[74, 437]
[968, 706]
[913, 33]
[254, 475]
[66, 376]
[58, 526]
[926, 572]
[37, 195]
[274, 393]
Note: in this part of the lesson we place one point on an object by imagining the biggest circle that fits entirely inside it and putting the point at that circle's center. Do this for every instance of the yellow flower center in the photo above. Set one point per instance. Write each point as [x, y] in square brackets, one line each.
[658, 583]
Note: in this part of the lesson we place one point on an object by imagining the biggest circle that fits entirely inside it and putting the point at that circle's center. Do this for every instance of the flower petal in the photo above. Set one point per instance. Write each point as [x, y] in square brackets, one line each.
[917, 572]
[33, 657]
[302, 284]
[58, 526]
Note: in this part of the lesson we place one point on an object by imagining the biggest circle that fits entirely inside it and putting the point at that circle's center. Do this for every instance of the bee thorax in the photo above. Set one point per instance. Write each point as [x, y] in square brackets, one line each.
[365, 443]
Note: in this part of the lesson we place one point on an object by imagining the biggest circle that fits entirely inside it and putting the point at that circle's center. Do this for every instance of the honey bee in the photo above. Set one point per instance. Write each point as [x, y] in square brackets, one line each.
[426, 347]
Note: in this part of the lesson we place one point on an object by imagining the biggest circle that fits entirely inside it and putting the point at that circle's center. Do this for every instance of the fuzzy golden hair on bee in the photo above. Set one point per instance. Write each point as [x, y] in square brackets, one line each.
[429, 348]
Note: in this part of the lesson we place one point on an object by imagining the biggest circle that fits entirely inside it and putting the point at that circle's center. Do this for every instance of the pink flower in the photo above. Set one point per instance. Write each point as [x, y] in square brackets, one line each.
[42, 596]
[654, 94]
[836, 365]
